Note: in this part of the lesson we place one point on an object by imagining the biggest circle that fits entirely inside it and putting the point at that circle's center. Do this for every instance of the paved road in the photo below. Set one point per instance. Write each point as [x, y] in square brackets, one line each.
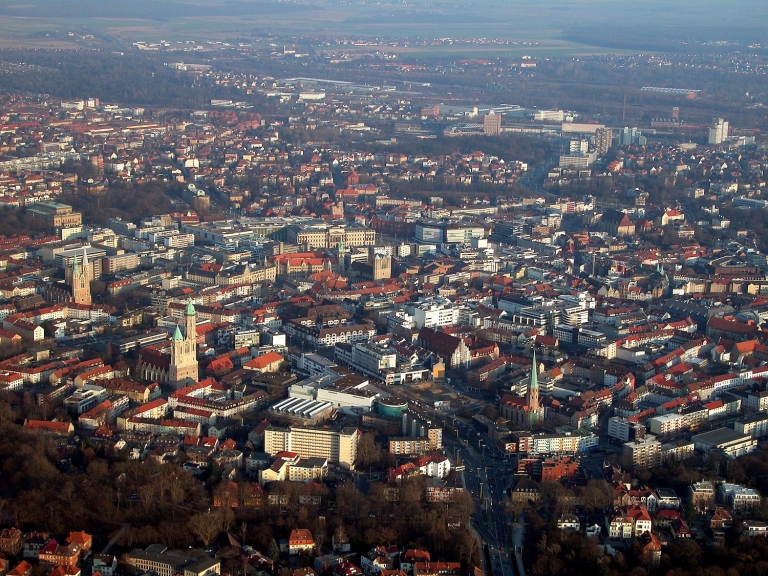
[115, 538]
[486, 477]
[518, 536]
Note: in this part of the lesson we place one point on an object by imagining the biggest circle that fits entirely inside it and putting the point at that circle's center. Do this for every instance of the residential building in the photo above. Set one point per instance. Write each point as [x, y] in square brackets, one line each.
[755, 426]
[433, 312]
[335, 445]
[624, 429]
[58, 554]
[300, 540]
[740, 499]
[437, 569]
[702, 495]
[568, 521]
[414, 426]
[718, 131]
[753, 528]
[642, 453]
[11, 541]
[492, 124]
[33, 543]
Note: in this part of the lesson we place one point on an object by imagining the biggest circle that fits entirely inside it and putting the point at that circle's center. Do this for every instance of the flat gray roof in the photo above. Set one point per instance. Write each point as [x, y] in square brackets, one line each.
[720, 436]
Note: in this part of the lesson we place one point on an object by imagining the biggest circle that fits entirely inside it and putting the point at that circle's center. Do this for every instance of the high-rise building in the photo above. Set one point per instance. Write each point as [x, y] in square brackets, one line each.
[578, 146]
[718, 131]
[183, 368]
[642, 453]
[342, 257]
[492, 124]
[81, 280]
[629, 136]
[603, 138]
[414, 426]
[337, 445]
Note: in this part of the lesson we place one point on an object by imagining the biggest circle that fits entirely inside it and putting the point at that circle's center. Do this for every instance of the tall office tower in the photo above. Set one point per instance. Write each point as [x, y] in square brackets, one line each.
[492, 124]
[718, 131]
[603, 138]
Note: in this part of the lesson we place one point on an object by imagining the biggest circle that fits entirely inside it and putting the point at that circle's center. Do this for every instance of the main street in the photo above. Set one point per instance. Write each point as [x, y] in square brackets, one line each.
[486, 476]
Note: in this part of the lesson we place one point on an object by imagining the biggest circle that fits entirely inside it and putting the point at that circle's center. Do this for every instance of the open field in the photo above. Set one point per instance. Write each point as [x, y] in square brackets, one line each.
[26, 23]
[544, 48]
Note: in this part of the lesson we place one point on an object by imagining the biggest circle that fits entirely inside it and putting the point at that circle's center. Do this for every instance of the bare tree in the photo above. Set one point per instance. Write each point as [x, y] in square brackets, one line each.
[368, 451]
[242, 532]
[597, 495]
[206, 526]
[462, 505]
[226, 519]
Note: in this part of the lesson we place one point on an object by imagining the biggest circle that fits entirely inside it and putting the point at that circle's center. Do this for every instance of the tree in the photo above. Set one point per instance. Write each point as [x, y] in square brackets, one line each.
[339, 535]
[242, 532]
[462, 505]
[596, 495]
[226, 517]
[206, 526]
[490, 412]
[347, 497]
[273, 551]
[412, 490]
[368, 451]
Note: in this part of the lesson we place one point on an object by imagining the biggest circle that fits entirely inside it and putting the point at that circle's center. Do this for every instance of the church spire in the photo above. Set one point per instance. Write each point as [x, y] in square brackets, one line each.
[81, 280]
[533, 386]
[534, 373]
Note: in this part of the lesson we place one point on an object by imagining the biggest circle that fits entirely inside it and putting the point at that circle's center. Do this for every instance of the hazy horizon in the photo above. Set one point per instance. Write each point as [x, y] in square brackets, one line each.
[525, 19]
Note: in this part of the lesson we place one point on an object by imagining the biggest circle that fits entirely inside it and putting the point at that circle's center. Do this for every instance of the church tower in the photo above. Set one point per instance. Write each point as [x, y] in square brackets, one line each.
[532, 396]
[184, 351]
[81, 281]
[382, 267]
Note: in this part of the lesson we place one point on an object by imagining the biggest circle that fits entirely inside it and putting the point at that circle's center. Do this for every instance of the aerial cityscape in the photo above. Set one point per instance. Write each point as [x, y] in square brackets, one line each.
[323, 288]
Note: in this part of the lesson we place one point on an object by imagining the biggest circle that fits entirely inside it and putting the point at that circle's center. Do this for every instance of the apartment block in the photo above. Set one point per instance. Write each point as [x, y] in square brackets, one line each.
[335, 445]
[642, 453]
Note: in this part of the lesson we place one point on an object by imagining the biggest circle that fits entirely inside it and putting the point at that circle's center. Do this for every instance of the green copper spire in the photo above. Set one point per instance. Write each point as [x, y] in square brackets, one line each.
[190, 311]
[177, 334]
[534, 383]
